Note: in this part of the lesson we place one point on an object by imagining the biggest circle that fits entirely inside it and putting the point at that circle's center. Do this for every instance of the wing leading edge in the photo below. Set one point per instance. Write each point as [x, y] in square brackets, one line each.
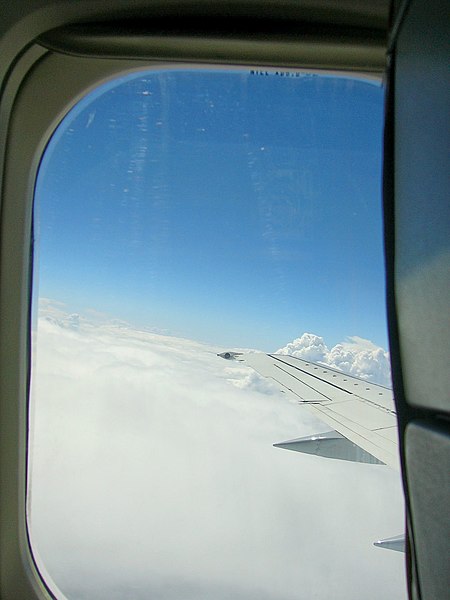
[361, 414]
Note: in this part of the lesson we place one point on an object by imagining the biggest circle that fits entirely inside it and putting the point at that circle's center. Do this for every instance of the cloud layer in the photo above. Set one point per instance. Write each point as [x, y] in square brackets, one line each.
[153, 475]
[356, 356]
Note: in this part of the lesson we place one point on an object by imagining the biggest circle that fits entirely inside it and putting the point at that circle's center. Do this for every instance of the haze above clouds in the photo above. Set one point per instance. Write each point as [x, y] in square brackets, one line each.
[153, 474]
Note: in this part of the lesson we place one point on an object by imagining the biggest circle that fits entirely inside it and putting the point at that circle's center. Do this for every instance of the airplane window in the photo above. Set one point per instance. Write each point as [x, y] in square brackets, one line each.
[181, 214]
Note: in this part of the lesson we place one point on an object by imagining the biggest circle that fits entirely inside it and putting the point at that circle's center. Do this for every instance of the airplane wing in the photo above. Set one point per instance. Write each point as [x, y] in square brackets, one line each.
[361, 415]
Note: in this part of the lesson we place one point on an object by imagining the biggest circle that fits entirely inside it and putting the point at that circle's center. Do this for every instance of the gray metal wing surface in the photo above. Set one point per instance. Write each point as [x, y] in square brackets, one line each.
[360, 414]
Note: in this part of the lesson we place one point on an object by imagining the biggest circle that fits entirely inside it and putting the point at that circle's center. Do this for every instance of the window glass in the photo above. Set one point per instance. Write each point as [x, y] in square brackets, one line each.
[180, 214]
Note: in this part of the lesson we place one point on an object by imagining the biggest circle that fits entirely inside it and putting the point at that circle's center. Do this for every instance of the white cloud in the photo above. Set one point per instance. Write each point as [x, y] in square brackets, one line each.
[154, 475]
[356, 356]
[308, 347]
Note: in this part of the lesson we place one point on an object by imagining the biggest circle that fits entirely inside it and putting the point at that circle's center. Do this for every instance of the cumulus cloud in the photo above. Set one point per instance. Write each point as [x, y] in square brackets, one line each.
[355, 356]
[308, 346]
[153, 475]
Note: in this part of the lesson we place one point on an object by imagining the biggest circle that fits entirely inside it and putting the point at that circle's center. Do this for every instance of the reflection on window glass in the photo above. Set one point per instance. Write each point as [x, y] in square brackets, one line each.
[180, 214]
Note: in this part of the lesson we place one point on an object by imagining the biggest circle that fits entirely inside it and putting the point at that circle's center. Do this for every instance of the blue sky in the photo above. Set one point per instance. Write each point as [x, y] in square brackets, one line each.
[236, 208]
